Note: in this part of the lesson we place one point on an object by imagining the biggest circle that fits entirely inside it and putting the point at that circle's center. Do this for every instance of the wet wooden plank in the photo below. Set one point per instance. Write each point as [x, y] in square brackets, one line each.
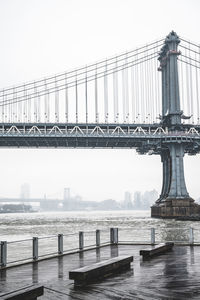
[90, 273]
[28, 293]
[157, 250]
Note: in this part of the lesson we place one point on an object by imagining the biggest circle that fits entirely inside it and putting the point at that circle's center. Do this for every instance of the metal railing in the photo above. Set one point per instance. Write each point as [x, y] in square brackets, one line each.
[10, 250]
[88, 240]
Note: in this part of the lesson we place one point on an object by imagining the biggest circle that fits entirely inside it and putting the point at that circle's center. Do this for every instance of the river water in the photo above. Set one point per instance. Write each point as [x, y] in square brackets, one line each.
[133, 226]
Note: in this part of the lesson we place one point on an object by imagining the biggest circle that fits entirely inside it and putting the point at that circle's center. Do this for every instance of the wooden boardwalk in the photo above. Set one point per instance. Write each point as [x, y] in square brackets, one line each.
[174, 275]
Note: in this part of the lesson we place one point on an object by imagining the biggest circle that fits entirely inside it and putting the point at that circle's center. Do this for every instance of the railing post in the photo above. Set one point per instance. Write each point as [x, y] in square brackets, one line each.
[191, 236]
[60, 243]
[153, 236]
[98, 242]
[35, 248]
[81, 240]
[112, 235]
[115, 235]
[3, 253]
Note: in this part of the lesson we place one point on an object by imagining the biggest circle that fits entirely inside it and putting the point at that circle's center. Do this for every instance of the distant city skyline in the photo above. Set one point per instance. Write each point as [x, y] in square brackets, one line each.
[130, 199]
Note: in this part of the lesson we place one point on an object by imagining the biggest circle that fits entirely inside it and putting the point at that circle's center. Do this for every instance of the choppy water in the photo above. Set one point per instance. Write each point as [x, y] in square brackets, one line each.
[134, 226]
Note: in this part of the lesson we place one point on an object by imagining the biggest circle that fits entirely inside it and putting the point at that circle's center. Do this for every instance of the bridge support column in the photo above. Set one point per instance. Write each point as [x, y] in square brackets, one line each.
[174, 200]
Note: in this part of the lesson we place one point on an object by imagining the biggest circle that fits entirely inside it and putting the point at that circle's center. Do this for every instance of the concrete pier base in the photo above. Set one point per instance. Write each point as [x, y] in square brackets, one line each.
[176, 208]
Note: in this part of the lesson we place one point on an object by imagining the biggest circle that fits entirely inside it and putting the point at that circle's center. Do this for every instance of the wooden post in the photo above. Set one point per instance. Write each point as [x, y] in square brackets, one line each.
[60, 243]
[35, 248]
[3, 253]
[81, 240]
[112, 235]
[153, 236]
[191, 236]
[98, 242]
[115, 235]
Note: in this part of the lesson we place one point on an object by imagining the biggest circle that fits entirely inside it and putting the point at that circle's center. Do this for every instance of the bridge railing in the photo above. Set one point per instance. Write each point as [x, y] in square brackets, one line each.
[38, 248]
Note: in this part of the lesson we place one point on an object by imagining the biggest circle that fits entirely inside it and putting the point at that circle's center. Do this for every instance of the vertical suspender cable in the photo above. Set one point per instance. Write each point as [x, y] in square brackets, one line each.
[29, 110]
[191, 88]
[24, 104]
[182, 86]
[146, 89]
[57, 104]
[86, 97]
[38, 107]
[8, 112]
[13, 111]
[141, 94]
[187, 86]
[16, 107]
[26, 107]
[158, 80]
[197, 88]
[4, 109]
[55, 99]
[19, 112]
[66, 100]
[76, 91]
[115, 93]
[153, 94]
[124, 95]
[158, 89]
[35, 103]
[46, 100]
[96, 98]
[126, 90]
[155, 86]
[136, 89]
[105, 94]
[133, 92]
[151, 100]
[1, 107]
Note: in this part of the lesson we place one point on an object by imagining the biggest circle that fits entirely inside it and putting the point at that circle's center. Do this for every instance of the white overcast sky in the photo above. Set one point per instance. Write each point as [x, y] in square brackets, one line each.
[43, 37]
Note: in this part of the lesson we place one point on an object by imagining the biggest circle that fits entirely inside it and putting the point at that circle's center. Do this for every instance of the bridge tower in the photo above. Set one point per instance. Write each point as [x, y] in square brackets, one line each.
[174, 200]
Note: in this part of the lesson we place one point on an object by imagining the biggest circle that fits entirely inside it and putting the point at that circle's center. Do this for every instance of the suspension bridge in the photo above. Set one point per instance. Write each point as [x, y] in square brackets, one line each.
[147, 99]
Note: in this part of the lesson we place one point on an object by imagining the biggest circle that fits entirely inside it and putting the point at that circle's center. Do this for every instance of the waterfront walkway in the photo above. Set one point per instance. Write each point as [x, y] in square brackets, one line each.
[174, 275]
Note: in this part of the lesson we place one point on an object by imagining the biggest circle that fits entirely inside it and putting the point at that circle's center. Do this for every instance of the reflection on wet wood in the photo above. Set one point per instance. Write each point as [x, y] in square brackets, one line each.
[173, 275]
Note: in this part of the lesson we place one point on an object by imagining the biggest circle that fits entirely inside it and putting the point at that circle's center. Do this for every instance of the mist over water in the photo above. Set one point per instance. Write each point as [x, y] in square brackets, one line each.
[26, 225]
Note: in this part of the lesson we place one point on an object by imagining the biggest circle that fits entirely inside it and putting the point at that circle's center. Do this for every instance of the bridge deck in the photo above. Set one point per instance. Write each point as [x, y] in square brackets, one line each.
[174, 275]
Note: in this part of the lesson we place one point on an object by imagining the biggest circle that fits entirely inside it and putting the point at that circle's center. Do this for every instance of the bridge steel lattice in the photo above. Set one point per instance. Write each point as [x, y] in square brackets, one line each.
[119, 102]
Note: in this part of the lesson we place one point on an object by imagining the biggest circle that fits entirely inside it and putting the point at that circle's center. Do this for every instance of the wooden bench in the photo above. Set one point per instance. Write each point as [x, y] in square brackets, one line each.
[28, 293]
[159, 249]
[100, 270]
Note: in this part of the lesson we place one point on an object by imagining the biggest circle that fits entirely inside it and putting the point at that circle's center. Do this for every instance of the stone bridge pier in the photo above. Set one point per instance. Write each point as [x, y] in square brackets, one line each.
[174, 200]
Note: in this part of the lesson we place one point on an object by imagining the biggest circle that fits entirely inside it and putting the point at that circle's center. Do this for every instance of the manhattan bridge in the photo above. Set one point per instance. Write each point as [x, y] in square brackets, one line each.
[147, 99]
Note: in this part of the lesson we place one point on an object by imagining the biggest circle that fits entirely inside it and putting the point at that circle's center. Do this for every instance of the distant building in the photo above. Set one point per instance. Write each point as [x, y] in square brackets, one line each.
[25, 191]
[108, 204]
[127, 203]
[137, 201]
[149, 198]
[66, 194]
